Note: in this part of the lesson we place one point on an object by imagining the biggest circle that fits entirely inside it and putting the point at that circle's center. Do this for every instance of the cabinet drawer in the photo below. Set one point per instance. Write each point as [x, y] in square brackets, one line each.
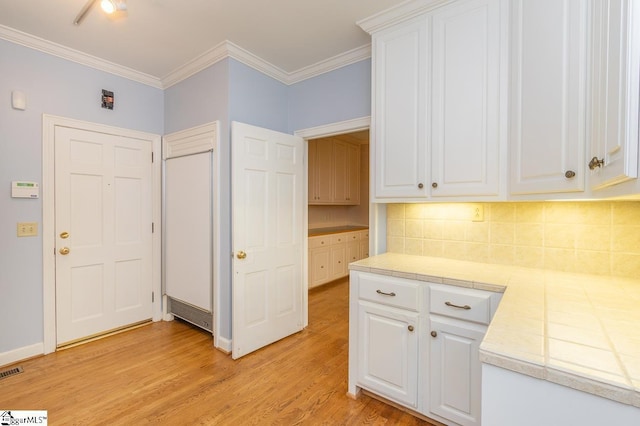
[352, 236]
[463, 303]
[339, 238]
[391, 291]
[323, 241]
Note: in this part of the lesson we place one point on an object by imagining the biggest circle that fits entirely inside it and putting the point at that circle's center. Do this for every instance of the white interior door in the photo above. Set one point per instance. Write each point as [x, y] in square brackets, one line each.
[268, 208]
[103, 219]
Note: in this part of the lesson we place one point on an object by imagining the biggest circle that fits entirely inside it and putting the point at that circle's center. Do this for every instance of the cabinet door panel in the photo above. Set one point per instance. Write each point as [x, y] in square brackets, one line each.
[400, 116]
[548, 95]
[615, 92]
[466, 99]
[388, 352]
[353, 251]
[353, 174]
[319, 266]
[455, 370]
[340, 173]
[338, 261]
[320, 171]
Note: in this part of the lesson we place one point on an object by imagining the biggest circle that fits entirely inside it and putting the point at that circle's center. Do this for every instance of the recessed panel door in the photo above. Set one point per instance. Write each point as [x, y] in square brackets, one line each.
[103, 219]
[268, 233]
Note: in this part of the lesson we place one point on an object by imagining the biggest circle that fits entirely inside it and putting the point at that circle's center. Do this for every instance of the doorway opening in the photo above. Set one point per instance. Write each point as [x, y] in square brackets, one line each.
[338, 204]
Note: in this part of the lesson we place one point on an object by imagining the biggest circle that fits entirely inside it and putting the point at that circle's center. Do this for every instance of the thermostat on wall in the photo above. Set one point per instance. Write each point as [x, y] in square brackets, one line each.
[22, 189]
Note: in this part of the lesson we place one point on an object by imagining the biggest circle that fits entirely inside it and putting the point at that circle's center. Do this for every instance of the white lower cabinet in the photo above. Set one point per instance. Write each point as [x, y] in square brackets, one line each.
[388, 352]
[416, 344]
[455, 369]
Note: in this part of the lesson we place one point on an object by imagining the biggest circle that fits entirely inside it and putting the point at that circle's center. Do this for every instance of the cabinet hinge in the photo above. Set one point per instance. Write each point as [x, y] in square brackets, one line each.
[152, 156]
[153, 297]
[153, 227]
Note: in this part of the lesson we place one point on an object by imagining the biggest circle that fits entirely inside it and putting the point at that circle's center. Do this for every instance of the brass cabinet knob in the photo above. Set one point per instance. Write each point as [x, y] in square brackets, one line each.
[64, 251]
[569, 174]
[64, 235]
[241, 255]
[420, 185]
[434, 333]
[595, 163]
[434, 185]
[410, 328]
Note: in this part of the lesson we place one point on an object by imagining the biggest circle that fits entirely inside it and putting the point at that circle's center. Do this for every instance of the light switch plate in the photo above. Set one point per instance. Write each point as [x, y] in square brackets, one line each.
[27, 229]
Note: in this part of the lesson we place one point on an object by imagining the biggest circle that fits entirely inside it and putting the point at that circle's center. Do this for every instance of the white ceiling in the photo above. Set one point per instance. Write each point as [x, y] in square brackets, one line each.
[157, 37]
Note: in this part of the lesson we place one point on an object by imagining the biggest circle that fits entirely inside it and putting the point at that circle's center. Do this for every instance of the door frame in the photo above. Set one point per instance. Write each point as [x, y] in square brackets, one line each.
[49, 123]
[324, 131]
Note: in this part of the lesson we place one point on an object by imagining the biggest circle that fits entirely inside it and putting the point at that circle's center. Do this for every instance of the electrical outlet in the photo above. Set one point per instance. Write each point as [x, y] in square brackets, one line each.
[477, 213]
[27, 229]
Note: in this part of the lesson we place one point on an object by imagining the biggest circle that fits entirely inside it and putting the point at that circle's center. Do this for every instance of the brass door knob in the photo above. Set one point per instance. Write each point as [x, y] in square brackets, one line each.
[241, 255]
[64, 251]
[64, 235]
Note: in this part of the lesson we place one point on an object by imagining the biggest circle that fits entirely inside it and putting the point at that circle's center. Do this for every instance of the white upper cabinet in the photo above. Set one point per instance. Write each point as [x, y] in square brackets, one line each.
[465, 103]
[505, 99]
[400, 71]
[549, 51]
[616, 93]
[437, 111]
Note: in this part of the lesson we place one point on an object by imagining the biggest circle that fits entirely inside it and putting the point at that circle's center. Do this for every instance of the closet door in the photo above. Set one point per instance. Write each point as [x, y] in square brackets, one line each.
[188, 233]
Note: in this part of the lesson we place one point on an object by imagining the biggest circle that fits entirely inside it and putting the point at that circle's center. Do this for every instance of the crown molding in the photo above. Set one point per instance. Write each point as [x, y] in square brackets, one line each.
[227, 49]
[347, 58]
[223, 50]
[401, 12]
[46, 46]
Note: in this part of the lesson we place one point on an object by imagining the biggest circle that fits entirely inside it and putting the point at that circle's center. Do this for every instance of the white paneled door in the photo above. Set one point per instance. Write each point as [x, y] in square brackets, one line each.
[103, 219]
[268, 206]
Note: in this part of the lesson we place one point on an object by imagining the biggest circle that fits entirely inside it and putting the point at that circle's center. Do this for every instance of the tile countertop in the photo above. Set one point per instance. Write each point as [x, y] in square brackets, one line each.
[335, 230]
[576, 330]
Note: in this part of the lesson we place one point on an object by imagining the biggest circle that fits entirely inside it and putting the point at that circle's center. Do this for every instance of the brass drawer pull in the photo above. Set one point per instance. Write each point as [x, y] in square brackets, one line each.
[385, 294]
[457, 306]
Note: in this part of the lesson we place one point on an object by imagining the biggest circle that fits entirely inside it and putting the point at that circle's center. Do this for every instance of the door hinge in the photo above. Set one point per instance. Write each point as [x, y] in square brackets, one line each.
[153, 227]
[152, 156]
[153, 297]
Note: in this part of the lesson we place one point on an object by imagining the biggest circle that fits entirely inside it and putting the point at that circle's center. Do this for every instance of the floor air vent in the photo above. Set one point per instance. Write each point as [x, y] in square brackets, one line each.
[10, 372]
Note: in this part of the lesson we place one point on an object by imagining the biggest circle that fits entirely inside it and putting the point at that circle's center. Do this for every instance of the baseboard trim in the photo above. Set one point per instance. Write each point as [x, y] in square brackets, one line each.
[224, 345]
[21, 354]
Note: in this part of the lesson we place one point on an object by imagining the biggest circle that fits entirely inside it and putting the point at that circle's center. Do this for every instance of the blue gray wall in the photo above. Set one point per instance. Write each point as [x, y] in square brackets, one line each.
[339, 95]
[58, 87]
[225, 91]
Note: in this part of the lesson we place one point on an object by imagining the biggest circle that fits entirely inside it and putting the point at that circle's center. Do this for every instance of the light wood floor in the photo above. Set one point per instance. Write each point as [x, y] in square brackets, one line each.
[169, 373]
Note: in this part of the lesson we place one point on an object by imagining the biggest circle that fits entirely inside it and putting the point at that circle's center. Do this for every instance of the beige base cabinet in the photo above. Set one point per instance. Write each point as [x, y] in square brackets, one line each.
[330, 255]
[416, 344]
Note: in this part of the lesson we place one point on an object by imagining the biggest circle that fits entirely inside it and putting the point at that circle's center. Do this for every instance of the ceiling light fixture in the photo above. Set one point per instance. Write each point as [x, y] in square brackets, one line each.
[108, 6]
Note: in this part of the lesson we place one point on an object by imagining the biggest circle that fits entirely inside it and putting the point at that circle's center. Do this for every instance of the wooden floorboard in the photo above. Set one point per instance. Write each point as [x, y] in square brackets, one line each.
[169, 373]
